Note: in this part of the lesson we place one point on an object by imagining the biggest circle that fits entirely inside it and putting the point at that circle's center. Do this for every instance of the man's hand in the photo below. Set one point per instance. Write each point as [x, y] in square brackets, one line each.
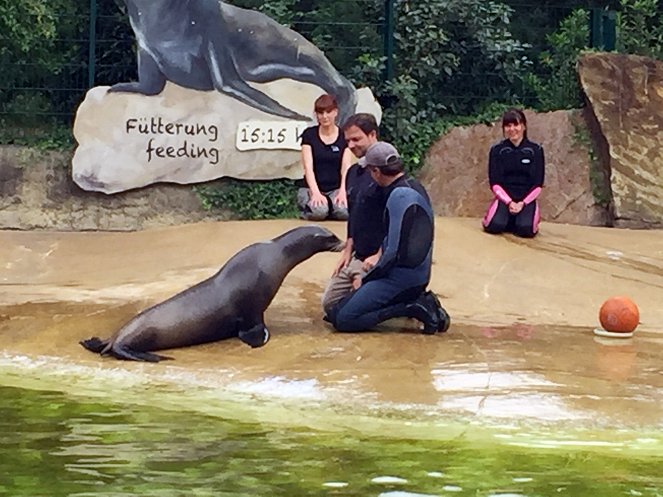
[346, 256]
[356, 282]
[371, 261]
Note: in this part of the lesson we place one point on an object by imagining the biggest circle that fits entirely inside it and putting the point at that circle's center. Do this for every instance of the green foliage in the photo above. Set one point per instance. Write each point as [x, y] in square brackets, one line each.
[640, 31]
[459, 53]
[598, 178]
[30, 50]
[252, 199]
[557, 87]
[283, 11]
[49, 134]
[640, 28]
[115, 55]
[29, 29]
[453, 58]
[342, 29]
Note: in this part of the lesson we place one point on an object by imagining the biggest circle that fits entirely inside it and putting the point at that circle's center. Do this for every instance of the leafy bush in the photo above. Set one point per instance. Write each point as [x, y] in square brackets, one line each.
[252, 199]
[558, 87]
[640, 28]
[453, 58]
[31, 49]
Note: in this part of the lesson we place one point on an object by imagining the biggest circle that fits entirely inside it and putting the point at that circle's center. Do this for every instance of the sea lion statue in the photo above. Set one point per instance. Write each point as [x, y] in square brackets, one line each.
[211, 45]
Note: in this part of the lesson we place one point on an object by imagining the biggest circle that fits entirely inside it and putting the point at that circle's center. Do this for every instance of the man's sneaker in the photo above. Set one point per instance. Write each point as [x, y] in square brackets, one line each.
[425, 310]
[428, 310]
[443, 319]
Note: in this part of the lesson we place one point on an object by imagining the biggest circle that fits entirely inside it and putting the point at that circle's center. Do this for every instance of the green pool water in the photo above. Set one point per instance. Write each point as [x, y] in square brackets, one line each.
[53, 444]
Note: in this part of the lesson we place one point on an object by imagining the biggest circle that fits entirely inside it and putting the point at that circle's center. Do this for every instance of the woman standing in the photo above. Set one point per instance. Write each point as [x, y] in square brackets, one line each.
[325, 159]
[516, 169]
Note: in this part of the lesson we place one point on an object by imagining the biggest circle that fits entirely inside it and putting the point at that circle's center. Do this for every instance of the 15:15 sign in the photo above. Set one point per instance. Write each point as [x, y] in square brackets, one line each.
[253, 135]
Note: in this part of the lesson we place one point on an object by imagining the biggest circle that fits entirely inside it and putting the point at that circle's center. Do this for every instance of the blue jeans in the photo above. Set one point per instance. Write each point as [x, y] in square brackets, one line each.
[377, 300]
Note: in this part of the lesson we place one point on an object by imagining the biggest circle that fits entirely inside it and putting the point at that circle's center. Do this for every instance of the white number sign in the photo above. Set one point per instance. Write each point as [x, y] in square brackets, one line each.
[252, 135]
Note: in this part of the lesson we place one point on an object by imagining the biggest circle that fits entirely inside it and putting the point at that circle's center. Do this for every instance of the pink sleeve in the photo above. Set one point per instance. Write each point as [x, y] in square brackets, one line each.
[501, 194]
[532, 196]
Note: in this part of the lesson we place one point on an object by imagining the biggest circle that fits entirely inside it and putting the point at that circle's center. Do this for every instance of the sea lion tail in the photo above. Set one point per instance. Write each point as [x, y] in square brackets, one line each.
[136, 355]
[94, 344]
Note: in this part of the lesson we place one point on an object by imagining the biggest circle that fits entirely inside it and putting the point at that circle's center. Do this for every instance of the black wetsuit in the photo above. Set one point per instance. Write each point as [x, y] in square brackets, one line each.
[366, 204]
[366, 208]
[404, 268]
[515, 173]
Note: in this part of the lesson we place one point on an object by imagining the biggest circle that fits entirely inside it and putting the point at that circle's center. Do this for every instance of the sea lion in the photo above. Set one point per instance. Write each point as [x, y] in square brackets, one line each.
[208, 44]
[229, 304]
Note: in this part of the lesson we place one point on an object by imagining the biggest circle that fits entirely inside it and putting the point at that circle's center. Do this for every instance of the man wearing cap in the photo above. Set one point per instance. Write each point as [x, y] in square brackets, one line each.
[365, 230]
[396, 285]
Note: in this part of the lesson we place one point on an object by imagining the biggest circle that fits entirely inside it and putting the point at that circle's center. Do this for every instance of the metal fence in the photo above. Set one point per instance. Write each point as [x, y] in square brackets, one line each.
[100, 46]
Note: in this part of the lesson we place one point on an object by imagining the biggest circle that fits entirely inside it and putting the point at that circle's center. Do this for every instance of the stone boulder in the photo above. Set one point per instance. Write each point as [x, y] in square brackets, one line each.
[625, 93]
[127, 140]
[455, 170]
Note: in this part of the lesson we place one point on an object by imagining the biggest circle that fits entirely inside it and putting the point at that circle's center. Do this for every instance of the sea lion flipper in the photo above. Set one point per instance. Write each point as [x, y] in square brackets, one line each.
[151, 81]
[94, 344]
[256, 336]
[136, 355]
[227, 80]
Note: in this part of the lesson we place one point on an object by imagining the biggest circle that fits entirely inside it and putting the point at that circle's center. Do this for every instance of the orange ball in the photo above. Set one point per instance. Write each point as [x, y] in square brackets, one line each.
[619, 315]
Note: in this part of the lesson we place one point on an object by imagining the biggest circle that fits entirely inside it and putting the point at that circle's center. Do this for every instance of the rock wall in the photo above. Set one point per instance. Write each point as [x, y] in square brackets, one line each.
[36, 192]
[455, 171]
[625, 94]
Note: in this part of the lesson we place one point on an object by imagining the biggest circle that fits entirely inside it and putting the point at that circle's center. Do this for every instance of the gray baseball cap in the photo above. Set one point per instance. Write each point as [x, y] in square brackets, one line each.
[380, 154]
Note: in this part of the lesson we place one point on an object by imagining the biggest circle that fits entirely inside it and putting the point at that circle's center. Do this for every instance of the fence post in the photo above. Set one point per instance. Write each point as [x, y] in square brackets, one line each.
[92, 44]
[603, 28]
[389, 39]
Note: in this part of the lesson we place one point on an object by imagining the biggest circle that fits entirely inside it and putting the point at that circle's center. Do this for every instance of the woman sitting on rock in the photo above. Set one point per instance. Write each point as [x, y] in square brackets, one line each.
[325, 159]
[516, 170]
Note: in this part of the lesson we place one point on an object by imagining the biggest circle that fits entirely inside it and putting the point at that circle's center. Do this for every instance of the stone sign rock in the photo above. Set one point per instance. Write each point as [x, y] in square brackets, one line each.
[455, 171]
[128, 140]
[625, 93]
[221, 91]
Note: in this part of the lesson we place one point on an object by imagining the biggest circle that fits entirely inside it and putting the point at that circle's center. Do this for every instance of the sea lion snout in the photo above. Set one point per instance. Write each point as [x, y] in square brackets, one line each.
[329, 240]
[338, 247]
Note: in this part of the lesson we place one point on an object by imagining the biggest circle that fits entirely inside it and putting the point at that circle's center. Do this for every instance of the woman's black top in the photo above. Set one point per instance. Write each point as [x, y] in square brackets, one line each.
[326, 159]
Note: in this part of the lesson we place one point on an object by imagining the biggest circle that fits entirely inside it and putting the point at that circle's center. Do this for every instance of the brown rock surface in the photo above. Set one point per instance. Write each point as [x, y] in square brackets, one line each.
[625, 93]
[455, 171]
[36, 192]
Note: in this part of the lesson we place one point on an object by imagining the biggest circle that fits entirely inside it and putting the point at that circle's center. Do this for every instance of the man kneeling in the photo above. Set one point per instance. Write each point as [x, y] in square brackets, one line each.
[396, 285]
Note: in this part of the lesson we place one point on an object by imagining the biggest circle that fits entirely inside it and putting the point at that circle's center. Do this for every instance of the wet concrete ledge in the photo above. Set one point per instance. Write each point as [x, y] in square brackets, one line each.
[520, 348]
